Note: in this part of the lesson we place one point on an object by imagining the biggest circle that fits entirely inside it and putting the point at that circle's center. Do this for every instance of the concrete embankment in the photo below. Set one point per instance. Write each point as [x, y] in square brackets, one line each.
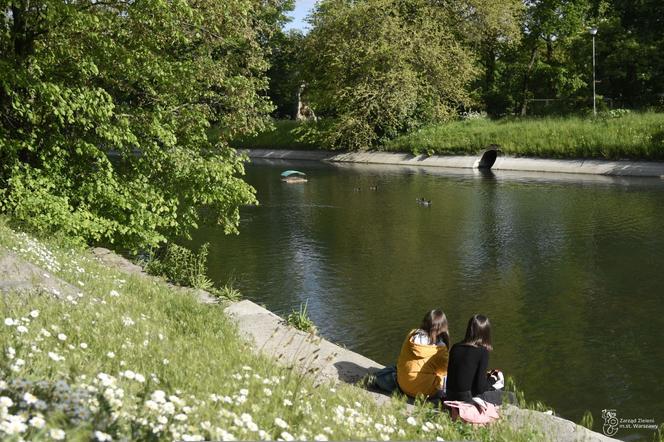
[593, 167]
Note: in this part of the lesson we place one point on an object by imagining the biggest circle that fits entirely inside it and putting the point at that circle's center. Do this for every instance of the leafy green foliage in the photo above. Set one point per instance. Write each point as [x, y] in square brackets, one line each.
[615, 113]
[384, 67]
[630, 39]
[286, 72]
[542, 65]
[300, 319]
[554, 58]
[104, 111]
[187, 268]
[182, 266]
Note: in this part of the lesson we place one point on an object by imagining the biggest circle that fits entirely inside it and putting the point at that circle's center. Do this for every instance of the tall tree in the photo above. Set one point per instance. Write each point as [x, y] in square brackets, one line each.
[381, 67]
[105, 109]
[631, 51]
[554, 59]
[286, 72]
[549, 24]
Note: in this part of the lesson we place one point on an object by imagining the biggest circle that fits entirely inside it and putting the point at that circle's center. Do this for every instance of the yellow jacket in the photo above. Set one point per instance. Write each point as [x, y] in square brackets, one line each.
[421, 368]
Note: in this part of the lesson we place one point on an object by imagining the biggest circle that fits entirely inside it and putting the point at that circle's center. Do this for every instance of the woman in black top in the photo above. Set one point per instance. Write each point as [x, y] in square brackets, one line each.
[468, 364]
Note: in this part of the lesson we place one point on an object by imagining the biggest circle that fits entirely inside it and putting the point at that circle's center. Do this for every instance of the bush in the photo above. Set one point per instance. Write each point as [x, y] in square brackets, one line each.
[616, 113]
[182, 266]
[473, 115]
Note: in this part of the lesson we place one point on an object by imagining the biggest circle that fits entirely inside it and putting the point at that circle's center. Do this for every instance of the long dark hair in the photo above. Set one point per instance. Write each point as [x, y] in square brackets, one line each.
[478, 333]
[435, 325]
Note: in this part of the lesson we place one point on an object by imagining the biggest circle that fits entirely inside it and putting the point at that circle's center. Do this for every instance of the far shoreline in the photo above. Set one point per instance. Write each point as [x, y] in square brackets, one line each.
[618, 168]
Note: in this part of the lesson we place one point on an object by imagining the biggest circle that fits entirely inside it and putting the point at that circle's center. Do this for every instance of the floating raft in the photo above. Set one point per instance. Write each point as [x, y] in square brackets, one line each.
[293, 176]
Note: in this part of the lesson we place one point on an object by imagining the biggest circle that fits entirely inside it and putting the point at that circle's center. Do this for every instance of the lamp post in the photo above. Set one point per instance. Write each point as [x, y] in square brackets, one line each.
[593, 32]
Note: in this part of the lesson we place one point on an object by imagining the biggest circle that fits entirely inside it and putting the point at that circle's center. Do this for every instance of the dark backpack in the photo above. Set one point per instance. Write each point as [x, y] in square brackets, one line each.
[386, 379]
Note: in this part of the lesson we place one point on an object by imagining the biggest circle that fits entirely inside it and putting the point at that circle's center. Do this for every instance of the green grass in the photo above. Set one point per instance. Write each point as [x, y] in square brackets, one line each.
[634, 136]
[610, 136]
[300, 319]
[286, 134]
[182, 266]
[133, 359]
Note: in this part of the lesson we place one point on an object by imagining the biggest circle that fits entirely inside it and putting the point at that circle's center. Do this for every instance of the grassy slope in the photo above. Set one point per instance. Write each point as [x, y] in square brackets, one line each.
[214, 387]
[634, 136]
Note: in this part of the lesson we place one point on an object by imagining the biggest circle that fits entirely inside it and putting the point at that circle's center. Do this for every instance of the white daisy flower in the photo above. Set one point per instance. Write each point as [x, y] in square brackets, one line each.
[279, 422]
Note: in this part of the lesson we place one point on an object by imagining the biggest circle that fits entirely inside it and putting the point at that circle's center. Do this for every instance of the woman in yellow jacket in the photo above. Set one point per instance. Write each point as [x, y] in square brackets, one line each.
[422, 364]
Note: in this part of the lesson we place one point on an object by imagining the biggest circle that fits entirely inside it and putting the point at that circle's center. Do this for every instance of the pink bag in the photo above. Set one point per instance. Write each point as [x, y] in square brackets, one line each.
[471, 413]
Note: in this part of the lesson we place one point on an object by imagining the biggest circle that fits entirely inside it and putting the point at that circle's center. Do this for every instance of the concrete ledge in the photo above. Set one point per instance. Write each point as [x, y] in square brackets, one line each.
[460, 161]
[593, 167]
[270, 335]
[327, 362]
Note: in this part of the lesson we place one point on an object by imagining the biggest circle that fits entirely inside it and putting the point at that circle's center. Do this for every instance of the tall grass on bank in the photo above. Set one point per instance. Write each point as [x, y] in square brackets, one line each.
[130, 358]
[609, 136]
[300, 319]
[634, 136]
[182, 266]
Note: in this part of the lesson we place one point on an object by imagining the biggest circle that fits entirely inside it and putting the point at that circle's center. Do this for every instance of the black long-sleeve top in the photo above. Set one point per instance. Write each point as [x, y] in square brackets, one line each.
[466, 372]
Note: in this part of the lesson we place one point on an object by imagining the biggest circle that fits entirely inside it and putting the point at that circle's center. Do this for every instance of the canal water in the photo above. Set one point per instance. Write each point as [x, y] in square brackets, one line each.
[569, 269]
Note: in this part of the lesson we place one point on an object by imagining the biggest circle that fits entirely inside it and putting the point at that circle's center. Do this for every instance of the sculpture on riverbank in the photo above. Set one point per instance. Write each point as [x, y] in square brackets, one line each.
[303, 111]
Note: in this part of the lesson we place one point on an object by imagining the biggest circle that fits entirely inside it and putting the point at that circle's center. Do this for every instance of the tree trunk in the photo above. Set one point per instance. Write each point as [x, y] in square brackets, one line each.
[490, 78]
[526, 81]
[21, 35]
[297, 115]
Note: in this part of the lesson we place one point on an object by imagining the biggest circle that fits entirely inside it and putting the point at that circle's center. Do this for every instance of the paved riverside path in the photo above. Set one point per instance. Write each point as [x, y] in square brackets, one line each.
[269, 334]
